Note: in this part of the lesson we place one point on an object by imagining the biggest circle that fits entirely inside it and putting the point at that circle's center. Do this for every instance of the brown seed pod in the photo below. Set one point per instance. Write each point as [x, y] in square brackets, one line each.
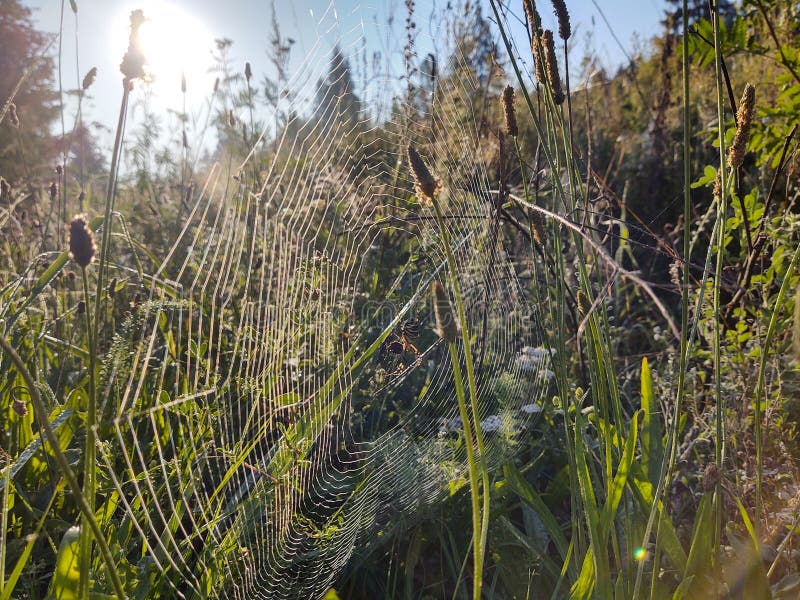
[19, 407]
[81, 241]
[53, 190]
[534, 20]
[744, 116]
[248, 72]
[89, 78]
[551, 66]
[446, 325]
[425, 184]
[508, 109]
[560, 8]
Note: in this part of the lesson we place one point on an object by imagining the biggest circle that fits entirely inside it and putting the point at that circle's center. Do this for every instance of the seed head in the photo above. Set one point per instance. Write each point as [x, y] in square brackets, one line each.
[508, 110]
[534, 20]
[551, 66]
[744, 116]
[710, 477]
[19, 407]
[248, 72]
[89, 78]
[560, 8]
[81, 241]
[718, 184]
[183, 82]
[425, 184]
[12, 115]
[537, 228]
[59, 171]
[53, 190]
[133, 62]
[538, 59]
[446, 325]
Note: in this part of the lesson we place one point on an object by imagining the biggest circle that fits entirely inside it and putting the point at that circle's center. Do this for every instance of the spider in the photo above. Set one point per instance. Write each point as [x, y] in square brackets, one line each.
[400, 343]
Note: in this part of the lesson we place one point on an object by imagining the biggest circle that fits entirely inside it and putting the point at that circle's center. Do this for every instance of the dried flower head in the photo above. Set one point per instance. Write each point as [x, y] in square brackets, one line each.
[718, 184]
[538, 59]
[551, 66]
[710, 477]
[183, 82]
[80, 308]
[425, 184]
[81, 241]
[12, 115]
[53, 190]
[248, 72]
[446, 325]
[216, 85]
[19, 407]
[89, 78]
[132, 66]
[744, 116]
[231, 118]
[534, 20]
[508, 110]
[59, 171]
[537, 228]
[560, 8]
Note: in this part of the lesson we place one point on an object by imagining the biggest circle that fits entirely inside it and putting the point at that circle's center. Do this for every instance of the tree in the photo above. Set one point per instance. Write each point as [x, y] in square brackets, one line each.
[28, 151]
[336, 100]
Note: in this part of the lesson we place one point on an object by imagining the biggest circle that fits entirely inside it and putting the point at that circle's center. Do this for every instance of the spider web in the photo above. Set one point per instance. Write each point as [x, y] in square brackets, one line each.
[263, 434]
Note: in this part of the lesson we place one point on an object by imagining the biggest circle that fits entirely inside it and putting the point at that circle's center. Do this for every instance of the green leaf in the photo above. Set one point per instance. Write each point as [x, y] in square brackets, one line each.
[652, 438]
[64, 585]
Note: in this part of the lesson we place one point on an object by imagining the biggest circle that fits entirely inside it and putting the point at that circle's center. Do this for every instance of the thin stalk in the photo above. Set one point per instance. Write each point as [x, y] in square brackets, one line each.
[473, 393]
[719, 445]
[471, 463]
[61, 460]
[109, 204]
[90, 449]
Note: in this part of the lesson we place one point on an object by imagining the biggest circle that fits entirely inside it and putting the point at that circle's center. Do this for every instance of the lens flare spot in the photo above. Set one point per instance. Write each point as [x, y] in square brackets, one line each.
[640, 554]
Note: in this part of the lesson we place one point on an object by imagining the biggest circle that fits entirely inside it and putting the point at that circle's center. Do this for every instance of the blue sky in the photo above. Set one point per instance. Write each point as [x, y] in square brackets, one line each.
[315, 25]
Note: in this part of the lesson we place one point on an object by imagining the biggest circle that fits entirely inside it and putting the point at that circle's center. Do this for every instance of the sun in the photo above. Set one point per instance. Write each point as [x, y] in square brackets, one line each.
[175, 42]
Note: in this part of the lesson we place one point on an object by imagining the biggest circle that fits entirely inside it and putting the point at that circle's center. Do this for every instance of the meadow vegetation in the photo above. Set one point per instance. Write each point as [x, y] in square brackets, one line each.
[587, 385]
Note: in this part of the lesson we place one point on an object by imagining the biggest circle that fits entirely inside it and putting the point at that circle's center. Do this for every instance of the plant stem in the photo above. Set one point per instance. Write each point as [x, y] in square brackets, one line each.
[90, 449]
[480, 535]
[72, 481]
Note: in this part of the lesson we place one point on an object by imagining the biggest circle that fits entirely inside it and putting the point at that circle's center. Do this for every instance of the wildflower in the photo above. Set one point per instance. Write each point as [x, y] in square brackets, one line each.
[530, 409]
[81, 241]
[425, 184]
[491, 423]
[508, 110]
[745, 118]
[446, 326]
